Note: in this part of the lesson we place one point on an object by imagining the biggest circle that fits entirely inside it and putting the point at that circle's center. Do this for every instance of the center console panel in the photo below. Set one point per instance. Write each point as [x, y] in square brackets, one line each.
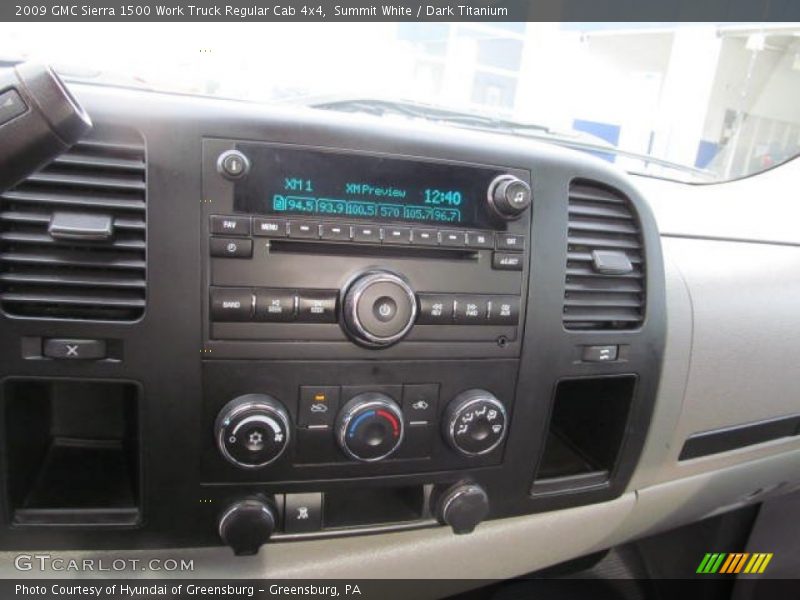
[348, 327]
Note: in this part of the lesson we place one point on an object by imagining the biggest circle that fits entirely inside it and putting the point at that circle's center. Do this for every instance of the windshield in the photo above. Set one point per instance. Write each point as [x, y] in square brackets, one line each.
[695, 102]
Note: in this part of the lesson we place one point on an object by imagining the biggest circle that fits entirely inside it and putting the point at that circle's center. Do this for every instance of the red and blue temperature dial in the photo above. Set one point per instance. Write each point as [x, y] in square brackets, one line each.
[370, 427]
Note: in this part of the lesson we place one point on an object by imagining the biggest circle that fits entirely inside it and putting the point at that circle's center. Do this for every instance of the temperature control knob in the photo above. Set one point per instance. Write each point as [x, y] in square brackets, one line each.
[370, 427]
[509, 197]
[252, 430]
[475, 422]
[379, 308]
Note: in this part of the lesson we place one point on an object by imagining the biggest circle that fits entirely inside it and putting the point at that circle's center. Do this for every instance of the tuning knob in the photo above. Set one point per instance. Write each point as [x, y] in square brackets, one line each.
[509, 197]
[247, 524]
[475, 422]
[462, 507]
[252, 431]
[379, 308]
[370, 427]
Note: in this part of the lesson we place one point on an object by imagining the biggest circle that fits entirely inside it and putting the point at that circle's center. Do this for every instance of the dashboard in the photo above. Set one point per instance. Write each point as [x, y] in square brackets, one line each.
[318, 331]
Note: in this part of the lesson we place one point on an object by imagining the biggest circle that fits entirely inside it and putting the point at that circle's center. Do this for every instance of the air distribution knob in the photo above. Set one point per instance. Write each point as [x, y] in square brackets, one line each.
[475, 422]
[252, 431]
[247, 524]
[462, 507]
[379, 308]
[509, 197]
[370, 427]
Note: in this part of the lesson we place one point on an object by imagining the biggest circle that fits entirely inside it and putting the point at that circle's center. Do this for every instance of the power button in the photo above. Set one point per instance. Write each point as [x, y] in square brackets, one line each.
[232, 164]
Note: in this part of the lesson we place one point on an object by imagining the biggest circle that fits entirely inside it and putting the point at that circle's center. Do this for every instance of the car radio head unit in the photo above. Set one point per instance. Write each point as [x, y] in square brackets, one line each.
[305, 182]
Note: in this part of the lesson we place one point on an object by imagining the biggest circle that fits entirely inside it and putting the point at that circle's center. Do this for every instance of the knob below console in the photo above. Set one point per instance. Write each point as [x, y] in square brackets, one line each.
[247, 524]
[379, 308]
[509, 197]
[462, 507]
[252, 430]
[475, 422]
[370, 427]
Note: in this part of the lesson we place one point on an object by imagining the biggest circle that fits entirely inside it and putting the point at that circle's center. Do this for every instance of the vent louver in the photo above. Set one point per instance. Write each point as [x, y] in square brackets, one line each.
[605, 281]
[73, 235]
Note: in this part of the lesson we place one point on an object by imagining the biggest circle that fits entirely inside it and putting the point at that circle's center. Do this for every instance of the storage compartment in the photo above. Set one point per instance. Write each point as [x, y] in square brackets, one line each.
[373, 506]
[587, 429]
[72, 452]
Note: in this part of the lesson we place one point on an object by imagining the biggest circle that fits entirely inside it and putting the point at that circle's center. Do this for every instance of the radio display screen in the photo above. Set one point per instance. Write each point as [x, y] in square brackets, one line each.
[303, 182]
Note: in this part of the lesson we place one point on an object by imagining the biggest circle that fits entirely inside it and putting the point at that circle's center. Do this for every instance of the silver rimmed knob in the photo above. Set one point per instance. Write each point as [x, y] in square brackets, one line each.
[509, 197]
[379, 308]
[475, 422]
[252, 431]
[370, 427]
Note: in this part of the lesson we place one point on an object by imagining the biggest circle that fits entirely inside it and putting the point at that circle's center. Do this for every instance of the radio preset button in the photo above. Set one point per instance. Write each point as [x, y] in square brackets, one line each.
[397, 235]
[231, 304]
[303, 230]
[367, 233]
[316, 306]
[478, 239]
[269, 227]
[275, 305]
[510, 241]
[425, 237]
[507, 261]
[230, 225]
[318, 405]
[469, 310]
[231, 247]
[435, 309]
[335, 232]
[503, 310]
[452, 238]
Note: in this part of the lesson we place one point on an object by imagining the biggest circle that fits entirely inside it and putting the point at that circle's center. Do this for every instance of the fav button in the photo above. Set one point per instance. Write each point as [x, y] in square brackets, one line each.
[318, 405]
[230, 225]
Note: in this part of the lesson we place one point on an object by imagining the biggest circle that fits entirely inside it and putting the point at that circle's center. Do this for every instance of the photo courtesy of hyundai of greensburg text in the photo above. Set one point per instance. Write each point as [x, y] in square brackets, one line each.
[381, 300]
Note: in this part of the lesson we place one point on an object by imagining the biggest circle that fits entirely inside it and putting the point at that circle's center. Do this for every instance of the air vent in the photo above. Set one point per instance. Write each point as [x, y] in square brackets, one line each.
[605, 282]
[73, 235]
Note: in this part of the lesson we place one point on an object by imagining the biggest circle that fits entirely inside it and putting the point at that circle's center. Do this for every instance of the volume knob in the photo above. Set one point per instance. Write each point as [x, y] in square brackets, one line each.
[509, 197]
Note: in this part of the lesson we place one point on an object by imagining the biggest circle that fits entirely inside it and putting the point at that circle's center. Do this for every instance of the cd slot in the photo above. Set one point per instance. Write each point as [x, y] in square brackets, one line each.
[343, 249]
